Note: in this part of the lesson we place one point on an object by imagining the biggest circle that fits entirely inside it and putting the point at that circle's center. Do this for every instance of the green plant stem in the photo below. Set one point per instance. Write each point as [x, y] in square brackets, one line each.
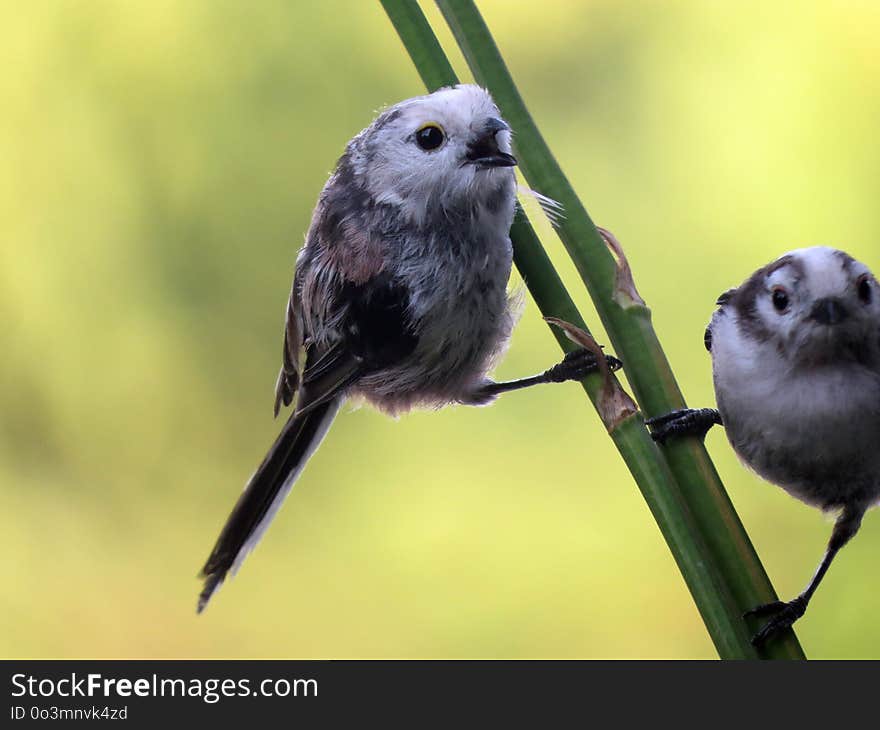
[644, 460]
[629, 328]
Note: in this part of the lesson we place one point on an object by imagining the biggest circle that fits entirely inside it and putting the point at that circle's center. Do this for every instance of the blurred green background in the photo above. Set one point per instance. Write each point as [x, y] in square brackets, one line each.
[160, 161]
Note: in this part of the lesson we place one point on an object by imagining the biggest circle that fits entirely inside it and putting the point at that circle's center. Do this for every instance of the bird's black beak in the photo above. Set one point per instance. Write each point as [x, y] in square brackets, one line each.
[483, 150]
[829, 312]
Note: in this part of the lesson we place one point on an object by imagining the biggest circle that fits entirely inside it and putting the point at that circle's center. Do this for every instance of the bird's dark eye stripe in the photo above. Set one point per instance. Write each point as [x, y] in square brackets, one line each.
[865, 290]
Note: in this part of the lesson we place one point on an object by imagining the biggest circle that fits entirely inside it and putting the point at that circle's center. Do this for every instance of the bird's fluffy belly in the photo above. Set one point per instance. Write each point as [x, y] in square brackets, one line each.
[815, 435]
[463, 326]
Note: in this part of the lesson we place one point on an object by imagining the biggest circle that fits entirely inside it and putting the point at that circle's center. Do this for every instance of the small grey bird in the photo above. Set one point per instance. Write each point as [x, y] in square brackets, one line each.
[796, 364]
[400, 292]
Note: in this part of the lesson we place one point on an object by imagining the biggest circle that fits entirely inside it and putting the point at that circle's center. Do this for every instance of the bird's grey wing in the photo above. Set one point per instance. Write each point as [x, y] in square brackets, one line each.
[328, 373]
[343, 249]
[373, 333]
[369, 330]
[289, 377]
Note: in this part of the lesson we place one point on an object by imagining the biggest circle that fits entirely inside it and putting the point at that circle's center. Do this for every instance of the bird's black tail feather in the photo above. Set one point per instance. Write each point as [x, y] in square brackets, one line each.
[265, 492]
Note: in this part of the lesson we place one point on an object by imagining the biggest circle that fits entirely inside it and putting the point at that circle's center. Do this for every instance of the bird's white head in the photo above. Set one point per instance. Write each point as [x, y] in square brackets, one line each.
[448, 150]
[817, 305]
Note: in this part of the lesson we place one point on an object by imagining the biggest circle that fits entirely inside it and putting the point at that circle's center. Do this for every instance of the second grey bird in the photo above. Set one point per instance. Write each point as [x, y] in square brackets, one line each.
[796, 363]
[400, 292]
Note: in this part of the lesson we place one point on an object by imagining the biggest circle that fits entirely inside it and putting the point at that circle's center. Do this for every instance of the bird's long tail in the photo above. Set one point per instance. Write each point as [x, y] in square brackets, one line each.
[265, 492]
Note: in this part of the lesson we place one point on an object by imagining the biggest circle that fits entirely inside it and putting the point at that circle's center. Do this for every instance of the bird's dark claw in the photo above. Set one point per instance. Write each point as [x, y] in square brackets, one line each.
[684, 422]
[577, 365]
[786, 613]
[765, 609]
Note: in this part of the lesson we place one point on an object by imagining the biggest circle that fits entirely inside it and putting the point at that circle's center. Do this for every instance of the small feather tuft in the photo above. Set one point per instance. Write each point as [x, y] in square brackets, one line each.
[554, 210]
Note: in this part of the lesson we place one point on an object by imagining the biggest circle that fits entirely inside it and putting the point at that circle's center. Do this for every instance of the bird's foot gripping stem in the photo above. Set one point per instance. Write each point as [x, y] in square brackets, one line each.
[685, 422]
[577, 365]
[784, 613]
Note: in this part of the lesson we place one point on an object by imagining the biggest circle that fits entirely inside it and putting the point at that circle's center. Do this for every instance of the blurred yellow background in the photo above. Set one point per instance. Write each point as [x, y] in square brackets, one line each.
[160, 161]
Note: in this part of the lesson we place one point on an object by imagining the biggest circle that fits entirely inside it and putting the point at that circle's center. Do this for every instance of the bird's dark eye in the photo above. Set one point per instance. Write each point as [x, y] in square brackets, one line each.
[780, 299]
[866, 293]
[430, 137]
